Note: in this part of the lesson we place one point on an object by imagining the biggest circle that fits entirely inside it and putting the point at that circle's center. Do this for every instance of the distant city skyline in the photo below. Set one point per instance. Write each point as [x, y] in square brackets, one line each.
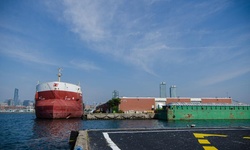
[163, 90]
[173, 91]
[131, 46]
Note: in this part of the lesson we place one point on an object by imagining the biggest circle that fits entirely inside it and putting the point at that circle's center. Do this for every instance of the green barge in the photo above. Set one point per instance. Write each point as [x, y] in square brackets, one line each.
[185, 111]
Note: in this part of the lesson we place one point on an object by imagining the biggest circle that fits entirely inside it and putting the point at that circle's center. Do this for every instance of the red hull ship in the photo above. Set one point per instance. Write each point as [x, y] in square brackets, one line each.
[54, 100]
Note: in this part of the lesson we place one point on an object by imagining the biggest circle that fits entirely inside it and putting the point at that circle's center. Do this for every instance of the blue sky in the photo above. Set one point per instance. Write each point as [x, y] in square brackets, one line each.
[202, 47]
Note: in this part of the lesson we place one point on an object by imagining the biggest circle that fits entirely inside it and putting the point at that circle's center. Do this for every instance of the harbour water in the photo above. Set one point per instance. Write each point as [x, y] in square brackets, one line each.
[24, 131]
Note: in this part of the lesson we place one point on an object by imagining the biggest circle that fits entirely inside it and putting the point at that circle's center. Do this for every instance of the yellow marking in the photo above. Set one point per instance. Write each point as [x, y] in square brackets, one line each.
[246, 137]
[201, 135]
[203, 141]
[209, 148]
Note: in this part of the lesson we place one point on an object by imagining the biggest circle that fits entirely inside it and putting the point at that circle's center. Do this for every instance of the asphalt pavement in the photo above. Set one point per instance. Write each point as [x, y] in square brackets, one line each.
[169, 138]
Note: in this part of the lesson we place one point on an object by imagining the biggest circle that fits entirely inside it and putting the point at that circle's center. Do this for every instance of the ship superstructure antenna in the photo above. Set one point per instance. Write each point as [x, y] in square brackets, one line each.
[59, 74]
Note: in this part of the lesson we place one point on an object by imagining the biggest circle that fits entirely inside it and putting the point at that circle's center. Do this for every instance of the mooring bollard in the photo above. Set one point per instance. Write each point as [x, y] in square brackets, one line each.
[72, 139]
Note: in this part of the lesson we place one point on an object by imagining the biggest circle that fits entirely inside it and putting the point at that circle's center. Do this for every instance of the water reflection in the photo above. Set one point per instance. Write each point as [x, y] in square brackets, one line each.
[55, 128]
[53, 134]
[23, 131]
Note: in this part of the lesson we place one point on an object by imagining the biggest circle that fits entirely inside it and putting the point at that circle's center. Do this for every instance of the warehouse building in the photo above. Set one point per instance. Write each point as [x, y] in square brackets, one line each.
[149, 104]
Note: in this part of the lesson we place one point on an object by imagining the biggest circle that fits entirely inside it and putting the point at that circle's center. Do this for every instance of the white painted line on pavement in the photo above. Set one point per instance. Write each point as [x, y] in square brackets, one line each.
[110, 142]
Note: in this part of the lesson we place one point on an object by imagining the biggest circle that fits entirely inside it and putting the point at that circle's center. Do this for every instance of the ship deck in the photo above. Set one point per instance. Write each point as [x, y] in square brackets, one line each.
[166, 138]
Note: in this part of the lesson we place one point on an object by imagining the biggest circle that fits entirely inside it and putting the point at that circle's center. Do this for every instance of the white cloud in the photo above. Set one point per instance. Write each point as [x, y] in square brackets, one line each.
[133, 33]
[85, 65]
[27, 56]
[223, 76]
[90, 18]
[101, 27]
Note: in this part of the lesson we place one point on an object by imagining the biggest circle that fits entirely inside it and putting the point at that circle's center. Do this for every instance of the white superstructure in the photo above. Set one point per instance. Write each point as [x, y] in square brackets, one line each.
[61, 86]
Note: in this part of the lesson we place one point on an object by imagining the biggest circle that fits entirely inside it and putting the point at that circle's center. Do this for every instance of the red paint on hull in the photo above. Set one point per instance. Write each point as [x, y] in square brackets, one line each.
[58, 104]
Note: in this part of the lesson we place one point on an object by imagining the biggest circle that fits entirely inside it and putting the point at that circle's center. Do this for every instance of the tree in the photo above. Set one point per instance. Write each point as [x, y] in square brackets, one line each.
[114, 103]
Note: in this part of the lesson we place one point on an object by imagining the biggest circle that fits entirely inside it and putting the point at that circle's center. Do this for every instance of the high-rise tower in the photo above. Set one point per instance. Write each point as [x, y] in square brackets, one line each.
[163, 90]
[15, 100]
[115, 94]
[172, 90]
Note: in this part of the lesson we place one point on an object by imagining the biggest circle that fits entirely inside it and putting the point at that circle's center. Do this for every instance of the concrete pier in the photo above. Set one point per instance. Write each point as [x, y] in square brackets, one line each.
[120, 116]
[166, 138]
[82, 141]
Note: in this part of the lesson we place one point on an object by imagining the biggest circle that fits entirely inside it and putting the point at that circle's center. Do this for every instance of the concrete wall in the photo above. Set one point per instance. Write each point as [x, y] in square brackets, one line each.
[107, 116]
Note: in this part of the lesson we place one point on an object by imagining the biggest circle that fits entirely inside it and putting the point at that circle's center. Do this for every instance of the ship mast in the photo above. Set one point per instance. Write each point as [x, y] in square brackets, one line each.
[59, 74]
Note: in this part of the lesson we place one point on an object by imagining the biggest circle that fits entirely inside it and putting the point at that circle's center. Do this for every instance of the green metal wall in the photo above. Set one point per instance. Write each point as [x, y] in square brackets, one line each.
[189, 112]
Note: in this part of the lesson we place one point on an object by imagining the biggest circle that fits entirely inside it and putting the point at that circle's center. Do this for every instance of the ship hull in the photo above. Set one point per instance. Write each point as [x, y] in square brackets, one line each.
[58, 108]
[61, 101]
